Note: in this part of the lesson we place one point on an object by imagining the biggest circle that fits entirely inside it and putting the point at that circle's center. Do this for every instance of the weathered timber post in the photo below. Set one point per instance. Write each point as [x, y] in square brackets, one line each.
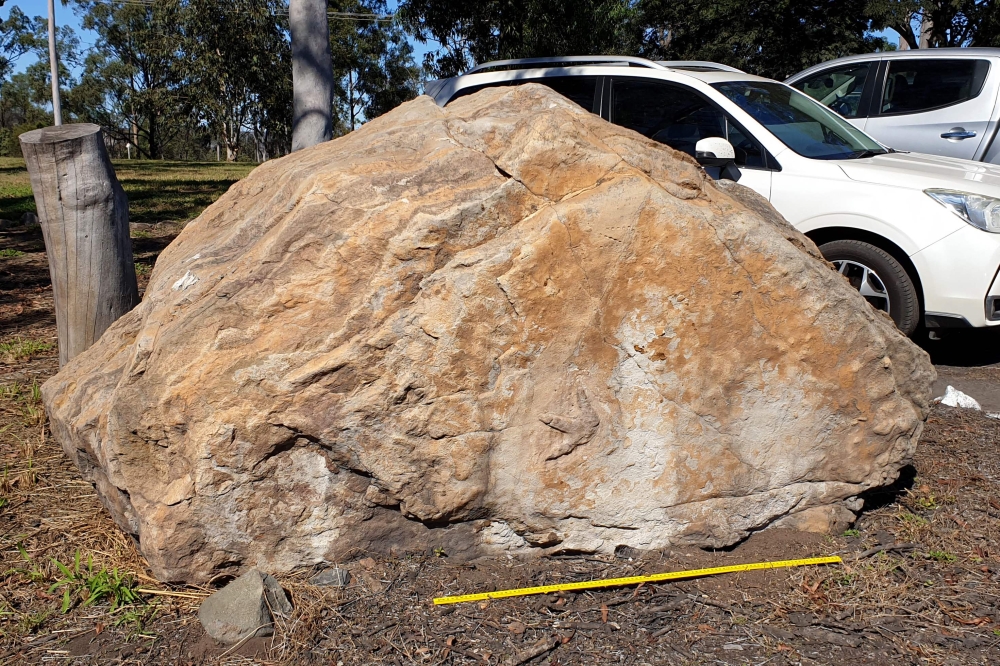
[83, 212]
[312, 73]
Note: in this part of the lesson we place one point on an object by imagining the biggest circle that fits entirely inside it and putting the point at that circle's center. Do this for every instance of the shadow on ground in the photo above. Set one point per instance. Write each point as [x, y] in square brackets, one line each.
[965, 348]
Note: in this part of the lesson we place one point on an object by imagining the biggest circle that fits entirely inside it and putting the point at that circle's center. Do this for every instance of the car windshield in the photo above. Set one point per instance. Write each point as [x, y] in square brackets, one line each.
[799, 122]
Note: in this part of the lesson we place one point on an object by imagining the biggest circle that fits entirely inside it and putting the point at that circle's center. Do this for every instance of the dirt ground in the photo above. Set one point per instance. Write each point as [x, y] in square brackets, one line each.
[920, 582]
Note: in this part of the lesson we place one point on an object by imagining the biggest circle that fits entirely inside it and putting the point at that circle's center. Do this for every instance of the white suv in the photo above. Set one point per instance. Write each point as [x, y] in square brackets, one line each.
[919, 236]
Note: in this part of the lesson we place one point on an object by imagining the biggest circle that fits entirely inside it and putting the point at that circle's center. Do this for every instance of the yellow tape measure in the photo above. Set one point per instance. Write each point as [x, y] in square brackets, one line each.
[634, 580]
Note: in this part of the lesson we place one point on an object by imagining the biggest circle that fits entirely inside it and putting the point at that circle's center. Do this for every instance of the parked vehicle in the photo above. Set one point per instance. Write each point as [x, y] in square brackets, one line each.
[919, 236]
[935, 101]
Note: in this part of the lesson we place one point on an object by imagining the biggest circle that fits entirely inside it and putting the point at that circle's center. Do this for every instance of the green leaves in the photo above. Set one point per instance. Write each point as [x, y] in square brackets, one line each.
[475, 32]
[91, 587]
[773, 38]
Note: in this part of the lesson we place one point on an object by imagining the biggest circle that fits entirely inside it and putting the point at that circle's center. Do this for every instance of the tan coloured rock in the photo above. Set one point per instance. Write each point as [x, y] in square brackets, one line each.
[506, 324]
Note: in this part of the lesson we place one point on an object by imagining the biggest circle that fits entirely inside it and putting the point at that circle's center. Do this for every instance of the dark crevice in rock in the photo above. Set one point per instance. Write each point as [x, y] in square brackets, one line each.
[294, 438]
[876, 498]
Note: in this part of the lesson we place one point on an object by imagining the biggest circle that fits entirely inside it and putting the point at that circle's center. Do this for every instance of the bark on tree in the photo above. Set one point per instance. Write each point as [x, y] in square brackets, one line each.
[83, 212]
[312, 73]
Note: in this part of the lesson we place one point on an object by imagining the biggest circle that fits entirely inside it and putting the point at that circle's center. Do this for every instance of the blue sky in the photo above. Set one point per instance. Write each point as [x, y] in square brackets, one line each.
[66, 16]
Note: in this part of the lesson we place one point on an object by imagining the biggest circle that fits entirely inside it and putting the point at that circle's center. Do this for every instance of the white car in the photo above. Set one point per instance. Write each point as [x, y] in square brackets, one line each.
[936, 101]
[918, 235]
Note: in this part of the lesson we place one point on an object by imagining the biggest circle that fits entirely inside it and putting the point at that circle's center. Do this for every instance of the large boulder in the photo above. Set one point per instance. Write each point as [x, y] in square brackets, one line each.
[503, 325]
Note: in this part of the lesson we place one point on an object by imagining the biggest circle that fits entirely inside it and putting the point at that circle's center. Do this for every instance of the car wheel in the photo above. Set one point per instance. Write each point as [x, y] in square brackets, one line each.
[881, 279]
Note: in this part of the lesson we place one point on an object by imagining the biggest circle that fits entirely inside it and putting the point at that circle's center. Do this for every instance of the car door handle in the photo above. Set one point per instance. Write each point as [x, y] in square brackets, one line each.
[958, 133]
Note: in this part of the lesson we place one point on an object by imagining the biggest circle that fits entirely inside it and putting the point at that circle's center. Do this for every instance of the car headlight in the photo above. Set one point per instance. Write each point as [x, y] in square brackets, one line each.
[980, 211]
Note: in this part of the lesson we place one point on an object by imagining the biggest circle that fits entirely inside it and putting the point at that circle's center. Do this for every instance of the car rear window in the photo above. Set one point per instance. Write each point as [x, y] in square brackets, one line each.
[917, 85]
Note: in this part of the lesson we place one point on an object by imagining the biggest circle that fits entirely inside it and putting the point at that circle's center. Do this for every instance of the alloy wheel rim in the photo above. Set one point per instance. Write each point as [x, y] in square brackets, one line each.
[866, 281]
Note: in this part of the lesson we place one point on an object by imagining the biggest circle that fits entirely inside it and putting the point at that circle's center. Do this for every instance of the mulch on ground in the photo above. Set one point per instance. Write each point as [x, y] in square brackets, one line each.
[919, 584]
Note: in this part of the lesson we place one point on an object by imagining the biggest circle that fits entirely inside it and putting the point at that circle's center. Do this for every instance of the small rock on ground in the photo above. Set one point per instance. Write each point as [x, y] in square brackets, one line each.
[243, 609]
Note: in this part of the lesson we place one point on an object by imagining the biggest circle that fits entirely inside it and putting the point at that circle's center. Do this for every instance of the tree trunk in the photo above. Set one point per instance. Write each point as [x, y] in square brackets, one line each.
[926, 29]
[312, 73]
[83, 212]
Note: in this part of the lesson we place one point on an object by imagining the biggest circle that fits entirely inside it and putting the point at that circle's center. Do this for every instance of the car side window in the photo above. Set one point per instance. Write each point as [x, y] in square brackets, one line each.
[840, 88]
[579, 89]
[679, 117]
[913, 86]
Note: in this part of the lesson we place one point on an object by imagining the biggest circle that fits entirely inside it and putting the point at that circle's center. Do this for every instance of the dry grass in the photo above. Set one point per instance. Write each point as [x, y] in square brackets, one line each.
[158, 191]
[929, 597]
[22, 349]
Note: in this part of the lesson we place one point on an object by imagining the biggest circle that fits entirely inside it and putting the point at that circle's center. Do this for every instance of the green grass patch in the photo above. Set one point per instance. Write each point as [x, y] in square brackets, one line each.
[18, 391]
[941, 556]
[10, 253]
[91, 586]
[158, 191]
[20, 349]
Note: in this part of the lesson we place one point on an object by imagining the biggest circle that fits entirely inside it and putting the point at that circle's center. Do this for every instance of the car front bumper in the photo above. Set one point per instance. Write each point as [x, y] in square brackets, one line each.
[960, 277]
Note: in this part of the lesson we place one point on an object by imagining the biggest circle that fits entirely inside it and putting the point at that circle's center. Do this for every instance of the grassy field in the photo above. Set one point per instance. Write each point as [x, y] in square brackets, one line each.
[157, 191]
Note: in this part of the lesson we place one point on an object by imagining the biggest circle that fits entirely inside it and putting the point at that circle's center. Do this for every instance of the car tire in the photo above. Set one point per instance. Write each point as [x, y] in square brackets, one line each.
[898, 293]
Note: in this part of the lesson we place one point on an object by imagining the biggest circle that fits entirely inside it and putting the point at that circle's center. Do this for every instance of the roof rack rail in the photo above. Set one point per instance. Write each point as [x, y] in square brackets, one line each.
[527, 63]
[698, 66]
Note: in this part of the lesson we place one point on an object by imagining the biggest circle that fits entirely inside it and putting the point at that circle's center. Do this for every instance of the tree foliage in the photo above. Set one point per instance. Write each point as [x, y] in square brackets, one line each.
[475, 32]
[177, 78]
[174, 78]
[24, 96]
[946, 22]
[240, 72]
[137, 75]
[373, 65]
[773, 38]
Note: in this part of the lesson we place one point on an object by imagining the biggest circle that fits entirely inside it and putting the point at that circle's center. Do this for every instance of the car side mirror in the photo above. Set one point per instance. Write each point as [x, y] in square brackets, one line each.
[714, 152]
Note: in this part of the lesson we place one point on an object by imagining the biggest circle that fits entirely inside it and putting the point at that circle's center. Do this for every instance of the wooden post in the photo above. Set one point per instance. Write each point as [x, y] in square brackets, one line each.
[83, 213]
[312, 73]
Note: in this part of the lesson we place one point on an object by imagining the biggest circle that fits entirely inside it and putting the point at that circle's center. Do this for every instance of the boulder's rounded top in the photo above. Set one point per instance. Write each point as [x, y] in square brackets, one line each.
[61, 133]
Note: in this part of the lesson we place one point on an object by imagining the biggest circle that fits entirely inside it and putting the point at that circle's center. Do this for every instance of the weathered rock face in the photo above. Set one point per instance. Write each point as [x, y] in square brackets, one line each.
[506, 324]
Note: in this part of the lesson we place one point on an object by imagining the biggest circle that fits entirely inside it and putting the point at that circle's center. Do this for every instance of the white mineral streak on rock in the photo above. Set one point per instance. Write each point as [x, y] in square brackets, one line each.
[185, 281]
[503, 326]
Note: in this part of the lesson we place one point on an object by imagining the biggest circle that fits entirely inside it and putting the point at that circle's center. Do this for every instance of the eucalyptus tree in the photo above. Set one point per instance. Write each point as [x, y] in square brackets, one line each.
[373, 64]
[240, 72]
[939, 23]
[17, 39]
[25, 97]
[138, 72]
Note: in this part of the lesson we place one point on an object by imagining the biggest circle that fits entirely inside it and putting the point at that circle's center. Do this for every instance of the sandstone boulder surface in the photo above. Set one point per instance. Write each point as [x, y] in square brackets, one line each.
[501, 325]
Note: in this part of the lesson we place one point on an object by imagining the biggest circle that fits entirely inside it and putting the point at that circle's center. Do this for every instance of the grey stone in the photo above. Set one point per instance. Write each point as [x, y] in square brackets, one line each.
[244, 608]
[332, 578]
[29, 219]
